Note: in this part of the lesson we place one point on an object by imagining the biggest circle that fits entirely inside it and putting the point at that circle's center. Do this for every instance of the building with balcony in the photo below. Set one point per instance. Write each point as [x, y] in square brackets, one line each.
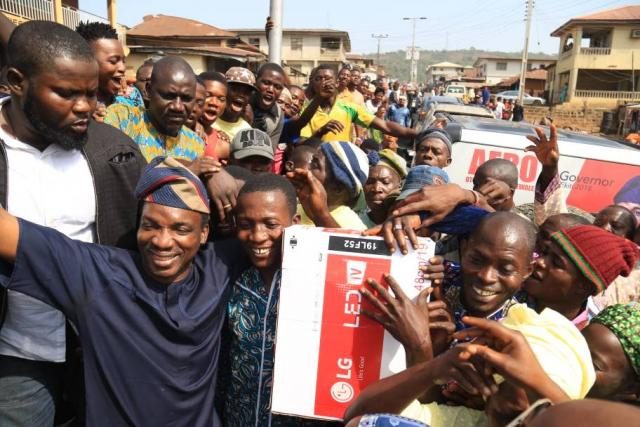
[443, 71]
[303, 49]
[495, 68]
[598, 58]
[66, 12]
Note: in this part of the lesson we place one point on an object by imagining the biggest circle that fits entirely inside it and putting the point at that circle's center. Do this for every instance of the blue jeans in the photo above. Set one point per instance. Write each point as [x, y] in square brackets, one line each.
[28, 391]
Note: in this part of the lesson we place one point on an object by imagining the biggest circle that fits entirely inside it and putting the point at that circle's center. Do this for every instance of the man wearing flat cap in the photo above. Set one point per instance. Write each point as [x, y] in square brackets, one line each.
[149, 321]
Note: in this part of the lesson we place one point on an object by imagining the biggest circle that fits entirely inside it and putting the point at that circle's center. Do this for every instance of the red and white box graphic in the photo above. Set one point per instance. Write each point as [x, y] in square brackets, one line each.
[327, 350]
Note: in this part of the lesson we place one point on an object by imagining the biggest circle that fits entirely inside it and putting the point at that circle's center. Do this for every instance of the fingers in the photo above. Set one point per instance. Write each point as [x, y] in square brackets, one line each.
[399, 235]
[494, 358]
[395, 287]
[533, 139]
[375, 301]
[388, 236]
[448, 327]
[488, 327]
[553, 134]
[423, 298]
[412, 236]
[219, 208]
[381, 291]
[373, 231]
[530, 148]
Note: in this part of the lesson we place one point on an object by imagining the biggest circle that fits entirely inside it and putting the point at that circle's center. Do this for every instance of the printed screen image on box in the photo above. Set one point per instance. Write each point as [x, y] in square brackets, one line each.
[351, 342]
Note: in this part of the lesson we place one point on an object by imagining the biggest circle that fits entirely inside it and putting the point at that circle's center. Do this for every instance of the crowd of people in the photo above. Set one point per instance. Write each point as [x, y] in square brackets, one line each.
[140, 252]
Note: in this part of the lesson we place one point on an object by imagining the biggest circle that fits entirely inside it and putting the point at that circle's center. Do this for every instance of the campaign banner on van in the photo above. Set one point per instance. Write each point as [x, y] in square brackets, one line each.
[588, 184]
[327, 350]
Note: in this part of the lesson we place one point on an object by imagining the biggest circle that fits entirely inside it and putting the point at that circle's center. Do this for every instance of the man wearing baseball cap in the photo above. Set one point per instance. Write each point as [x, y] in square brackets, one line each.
[252, 149]
[241, 83]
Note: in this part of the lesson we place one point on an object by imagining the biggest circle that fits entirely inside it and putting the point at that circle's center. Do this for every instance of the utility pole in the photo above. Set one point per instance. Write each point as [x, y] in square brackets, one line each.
[379, 37]
[414, 55]
[525, 52]
[275, 35]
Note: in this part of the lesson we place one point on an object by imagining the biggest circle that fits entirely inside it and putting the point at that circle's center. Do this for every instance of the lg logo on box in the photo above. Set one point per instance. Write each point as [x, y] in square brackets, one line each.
[342, 391]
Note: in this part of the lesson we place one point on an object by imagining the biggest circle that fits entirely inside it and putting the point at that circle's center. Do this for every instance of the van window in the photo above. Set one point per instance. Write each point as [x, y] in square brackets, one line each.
[455, 89]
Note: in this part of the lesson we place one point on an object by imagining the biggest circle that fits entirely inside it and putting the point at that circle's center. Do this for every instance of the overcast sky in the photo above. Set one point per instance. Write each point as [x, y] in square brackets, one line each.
[450, 24]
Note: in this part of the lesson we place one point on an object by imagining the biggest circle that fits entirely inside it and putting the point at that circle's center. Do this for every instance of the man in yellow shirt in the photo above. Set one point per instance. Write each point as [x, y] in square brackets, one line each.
[334, 119]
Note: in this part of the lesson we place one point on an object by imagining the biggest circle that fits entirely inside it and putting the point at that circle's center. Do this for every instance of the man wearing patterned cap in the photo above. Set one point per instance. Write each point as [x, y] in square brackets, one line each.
[241, 83]
[149, 321]
[159, 130]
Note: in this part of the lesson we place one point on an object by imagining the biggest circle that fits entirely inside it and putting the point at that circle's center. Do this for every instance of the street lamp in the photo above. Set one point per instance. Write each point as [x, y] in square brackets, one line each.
[414, 62]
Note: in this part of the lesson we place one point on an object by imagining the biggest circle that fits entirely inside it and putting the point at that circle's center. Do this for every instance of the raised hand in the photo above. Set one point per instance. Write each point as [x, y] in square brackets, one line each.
[405, 320]
[545, 149]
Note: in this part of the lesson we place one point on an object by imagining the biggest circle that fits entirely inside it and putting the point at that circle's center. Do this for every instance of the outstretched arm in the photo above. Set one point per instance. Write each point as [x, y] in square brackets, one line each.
[9, 230]
[393, 128]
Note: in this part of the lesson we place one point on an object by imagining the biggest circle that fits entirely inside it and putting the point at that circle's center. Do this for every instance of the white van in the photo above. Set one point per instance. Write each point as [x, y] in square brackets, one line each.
[592, 168]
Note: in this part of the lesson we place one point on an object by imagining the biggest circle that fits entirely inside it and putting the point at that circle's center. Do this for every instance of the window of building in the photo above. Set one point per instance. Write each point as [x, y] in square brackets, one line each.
[254, 41]
[296, 43]
[501, 66]
[332, 43]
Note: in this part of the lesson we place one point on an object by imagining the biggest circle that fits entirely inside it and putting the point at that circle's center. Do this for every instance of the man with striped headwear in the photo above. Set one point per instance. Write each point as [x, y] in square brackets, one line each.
[149, 321]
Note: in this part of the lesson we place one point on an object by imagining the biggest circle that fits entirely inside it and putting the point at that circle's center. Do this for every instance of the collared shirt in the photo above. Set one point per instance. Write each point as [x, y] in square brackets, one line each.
[344, 112]
[150, 350]
[247, 378]
[136, 123]
[270, 121]
[53, 187]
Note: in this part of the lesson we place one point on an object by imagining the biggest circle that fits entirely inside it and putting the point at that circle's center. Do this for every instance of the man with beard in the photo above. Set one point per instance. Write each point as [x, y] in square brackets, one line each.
[160, 129]
[60, 168]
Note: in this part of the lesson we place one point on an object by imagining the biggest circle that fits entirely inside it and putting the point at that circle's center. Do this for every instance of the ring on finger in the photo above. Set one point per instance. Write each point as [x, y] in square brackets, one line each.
[397, 226]
[227, 206]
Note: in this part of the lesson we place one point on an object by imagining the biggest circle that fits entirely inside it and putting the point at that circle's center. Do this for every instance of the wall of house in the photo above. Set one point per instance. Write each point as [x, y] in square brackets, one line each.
[488, 68]
[580, 118]
[135, 60]
[311, 50]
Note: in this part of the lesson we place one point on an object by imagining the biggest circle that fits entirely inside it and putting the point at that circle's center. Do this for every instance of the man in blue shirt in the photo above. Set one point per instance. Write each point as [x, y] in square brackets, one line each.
[399, 113]
[149, 321]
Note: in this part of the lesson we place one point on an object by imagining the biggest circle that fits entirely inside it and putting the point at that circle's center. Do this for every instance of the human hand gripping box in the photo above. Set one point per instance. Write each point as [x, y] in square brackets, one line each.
[327, 350]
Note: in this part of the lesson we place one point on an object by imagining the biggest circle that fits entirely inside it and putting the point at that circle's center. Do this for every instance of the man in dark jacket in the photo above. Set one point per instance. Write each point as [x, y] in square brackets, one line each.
[59, 168]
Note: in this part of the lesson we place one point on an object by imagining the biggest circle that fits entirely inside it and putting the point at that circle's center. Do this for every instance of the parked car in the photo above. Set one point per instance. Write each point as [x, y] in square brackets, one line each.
[512, 95]
[592, 168]
[458, 91]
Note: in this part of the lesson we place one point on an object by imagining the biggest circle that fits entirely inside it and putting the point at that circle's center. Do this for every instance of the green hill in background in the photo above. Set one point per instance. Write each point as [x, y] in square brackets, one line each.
[396, 66]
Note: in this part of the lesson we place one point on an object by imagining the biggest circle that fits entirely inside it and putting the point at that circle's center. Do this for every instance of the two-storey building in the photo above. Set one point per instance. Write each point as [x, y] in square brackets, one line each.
[598, 58]
[495, 68]
[303, 49]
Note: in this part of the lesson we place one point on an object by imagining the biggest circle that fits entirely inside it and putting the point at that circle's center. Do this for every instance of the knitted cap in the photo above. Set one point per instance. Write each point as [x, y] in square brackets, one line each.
[600, 256]
[348, 163]
[437, 133]
[394, 161]
[624, 321]
[165, 181]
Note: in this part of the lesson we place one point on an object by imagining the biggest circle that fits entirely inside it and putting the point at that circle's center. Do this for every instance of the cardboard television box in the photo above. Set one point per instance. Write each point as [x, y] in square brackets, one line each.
[327, 351]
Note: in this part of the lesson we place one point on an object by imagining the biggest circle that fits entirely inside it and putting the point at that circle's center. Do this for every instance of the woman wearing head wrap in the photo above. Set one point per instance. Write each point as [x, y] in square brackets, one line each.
[330, 189]
[383, 185]
[614, 340]
[578, 262]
